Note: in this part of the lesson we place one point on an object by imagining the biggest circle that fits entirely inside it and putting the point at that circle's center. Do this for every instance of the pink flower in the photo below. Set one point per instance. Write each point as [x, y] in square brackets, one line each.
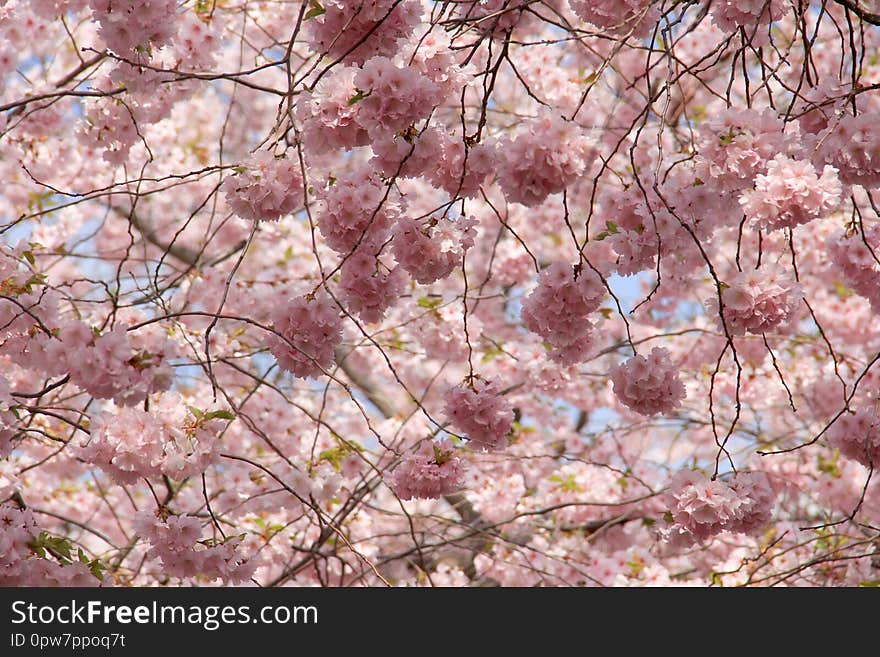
[544, 157]
[432, 252]
[857, 436]
[702, 508]
[790, 194]
[619, 16]
[329, 119]
[367, 286]
[135, 24]
[356, 207]
[355, 31]
[856, 259]
[133, 443]
[431, 471]
[736, 145]
[8, 421]
[309, 330]
[557, 310]
[175, 541]
[481, 413]
[758, 301]
[266, 188]
[392, 97]
[648, 385]
[730, 15]
[853, 146]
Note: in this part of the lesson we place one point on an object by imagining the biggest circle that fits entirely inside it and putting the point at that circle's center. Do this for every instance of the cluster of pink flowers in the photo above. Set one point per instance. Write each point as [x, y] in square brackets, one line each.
[648, 385]
[437, 58]
[135, 24]
[355, 31]
[853, 146]
[758, 301]
[439, 332]
[18, 529]
[329, 118]
[620, 16]
[702, 508]
[434, 469]
[730, 15]
[432, 252]
[133, 443]
[481, 413]
[265, 188]
[492, 15]
[53, 8]
[856, 258]
[636, 249]
[106, 365]
[736, 146]
[21, 566]
[111, 129]
[857, 436]
[392, 97]
[177, 542]
[439, 157]
[8, 421]
[197, 42]
[309, 329]
[790, 193]
[355, 208]
[367, 286]
[543, 157]
[557, 309]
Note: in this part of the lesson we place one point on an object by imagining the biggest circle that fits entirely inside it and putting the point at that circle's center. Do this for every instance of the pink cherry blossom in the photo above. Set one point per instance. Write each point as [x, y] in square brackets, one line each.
[266, 188]
[307, 330]
[481, 413]
[430, 472]
[649, 385]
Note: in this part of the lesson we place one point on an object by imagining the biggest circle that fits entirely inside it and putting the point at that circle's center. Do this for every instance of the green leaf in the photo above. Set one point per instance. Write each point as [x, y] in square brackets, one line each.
[219, 415]
[870, 583]
[197, 413]
[97, 569]
[316, 10]
[612, 228]
[358, 97]
[430, 302]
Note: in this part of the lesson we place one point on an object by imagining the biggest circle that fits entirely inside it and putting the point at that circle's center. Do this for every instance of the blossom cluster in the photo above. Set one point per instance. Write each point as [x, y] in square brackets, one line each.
[432, 470]
[481, 412]
[546, 155]
[353, 208]
[307, 331]
[177, 542]
[702, 507]
[790, 193]
[648, 385]
[265, 188]
[355, 31]
[135, 24]
[133, 443]
[758, 301]
[557, 309]
[430, 253]
[857, 436]
[856, 257]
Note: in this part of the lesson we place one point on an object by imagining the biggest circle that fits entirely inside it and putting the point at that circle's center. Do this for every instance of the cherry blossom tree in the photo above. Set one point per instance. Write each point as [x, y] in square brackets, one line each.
[423, 293]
